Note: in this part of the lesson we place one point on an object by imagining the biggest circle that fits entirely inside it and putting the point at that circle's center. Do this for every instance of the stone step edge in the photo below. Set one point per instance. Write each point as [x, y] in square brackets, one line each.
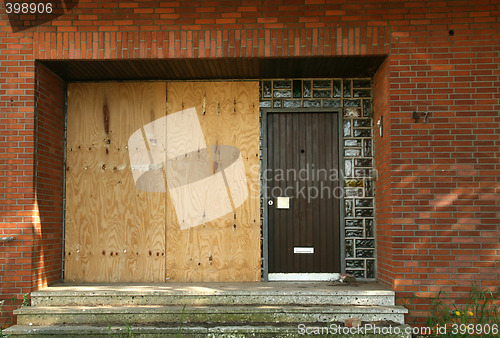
[141, 309]
[289, 328]
[229, 301]
[235, 293]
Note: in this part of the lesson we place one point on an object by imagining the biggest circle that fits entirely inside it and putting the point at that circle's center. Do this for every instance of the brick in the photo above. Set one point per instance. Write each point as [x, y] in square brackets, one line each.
[352, 322]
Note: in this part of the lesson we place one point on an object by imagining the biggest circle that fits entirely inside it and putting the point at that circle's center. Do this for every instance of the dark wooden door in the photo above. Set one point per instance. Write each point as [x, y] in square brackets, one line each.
[303, 163]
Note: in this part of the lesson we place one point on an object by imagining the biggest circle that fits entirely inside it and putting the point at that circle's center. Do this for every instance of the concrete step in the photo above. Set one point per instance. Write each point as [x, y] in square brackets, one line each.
[382, 330]
[73, 315]
[205, 310]
[213, 294]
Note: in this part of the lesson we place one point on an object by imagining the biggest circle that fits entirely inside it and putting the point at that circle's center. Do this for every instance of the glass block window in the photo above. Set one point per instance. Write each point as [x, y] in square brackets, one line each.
[354, 97]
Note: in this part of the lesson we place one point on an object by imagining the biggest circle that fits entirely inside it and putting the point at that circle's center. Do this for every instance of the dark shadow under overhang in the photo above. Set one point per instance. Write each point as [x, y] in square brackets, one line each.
[216, 69]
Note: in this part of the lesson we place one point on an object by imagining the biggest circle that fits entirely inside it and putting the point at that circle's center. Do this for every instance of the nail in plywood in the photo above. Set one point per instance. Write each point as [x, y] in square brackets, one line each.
[227, 248]
[114, 232]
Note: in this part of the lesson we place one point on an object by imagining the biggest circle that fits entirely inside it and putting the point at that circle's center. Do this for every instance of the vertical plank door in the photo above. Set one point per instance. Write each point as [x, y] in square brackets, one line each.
[302, 164]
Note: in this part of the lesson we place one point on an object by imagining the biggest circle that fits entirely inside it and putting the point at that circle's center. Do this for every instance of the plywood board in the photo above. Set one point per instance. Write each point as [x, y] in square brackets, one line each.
[114, 232]
[225, 249]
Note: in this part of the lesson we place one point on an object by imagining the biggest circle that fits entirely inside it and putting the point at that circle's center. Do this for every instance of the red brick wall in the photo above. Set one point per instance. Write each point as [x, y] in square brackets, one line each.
[438, 202]
[31, 186]
[446, 173]
[49, 169]
[17, 145]
[383, 163]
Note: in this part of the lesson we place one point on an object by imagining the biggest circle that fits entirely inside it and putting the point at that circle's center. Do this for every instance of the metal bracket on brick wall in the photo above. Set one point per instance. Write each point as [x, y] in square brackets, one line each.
[6, 239]
[417, 116]
[380, 125]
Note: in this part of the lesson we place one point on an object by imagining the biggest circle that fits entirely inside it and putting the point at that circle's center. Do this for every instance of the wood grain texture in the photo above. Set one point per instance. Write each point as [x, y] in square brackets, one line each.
[228, 248]
[114, 232]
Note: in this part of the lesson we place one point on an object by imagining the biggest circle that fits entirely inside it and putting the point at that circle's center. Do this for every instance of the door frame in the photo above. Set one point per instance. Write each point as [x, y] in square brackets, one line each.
[264, 128]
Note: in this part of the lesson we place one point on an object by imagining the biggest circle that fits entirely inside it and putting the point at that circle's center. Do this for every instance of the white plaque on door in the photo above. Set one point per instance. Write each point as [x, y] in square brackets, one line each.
[283, 203]
[303, 250]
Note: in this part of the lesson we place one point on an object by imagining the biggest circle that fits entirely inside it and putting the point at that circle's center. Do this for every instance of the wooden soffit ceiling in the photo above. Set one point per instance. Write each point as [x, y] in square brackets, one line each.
[219, 68]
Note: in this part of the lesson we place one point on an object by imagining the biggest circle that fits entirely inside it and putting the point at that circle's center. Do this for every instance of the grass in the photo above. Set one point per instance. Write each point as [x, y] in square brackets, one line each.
[2, 303]
[1, 325]
[26, 302]
[129, 327]
[182, 317]
[479, 313]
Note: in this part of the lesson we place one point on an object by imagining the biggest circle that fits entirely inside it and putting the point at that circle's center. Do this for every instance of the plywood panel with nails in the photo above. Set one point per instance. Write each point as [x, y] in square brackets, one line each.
[226, 248]
[114, 231]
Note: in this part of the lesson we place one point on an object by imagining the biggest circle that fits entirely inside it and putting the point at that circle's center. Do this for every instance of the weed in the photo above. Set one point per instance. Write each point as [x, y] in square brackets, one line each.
[180, 326]
[129, 330]
[478, 316]
[2, 303]
[26, 300]
[128, 327]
